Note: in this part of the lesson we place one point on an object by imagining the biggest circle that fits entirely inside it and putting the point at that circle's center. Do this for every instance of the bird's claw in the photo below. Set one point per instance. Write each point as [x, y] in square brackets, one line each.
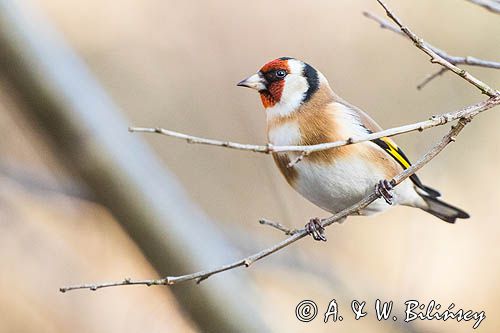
[315, 229]
[383, 189]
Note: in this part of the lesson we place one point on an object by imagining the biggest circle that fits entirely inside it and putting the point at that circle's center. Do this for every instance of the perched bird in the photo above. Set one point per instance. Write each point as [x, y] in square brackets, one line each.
[302, 109]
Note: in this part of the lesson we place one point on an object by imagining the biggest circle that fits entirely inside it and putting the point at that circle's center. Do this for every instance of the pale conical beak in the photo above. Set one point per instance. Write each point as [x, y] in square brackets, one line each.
[255, 81]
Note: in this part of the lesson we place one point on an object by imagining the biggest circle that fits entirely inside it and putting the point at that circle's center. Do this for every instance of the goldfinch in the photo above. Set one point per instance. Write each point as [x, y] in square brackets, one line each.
[302, 109]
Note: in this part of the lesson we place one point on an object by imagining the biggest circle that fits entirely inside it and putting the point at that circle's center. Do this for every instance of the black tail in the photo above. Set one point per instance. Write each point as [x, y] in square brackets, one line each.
[441, 209]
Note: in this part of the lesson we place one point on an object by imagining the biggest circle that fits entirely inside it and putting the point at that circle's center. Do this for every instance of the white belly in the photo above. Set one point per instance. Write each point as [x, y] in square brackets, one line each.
[345, 182]
[338, 185]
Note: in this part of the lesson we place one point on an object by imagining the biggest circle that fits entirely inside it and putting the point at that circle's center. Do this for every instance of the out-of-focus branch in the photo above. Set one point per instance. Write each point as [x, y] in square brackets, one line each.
[492, 6]
[89, 132]
[455, 60]
[438, 59]
[431, 77]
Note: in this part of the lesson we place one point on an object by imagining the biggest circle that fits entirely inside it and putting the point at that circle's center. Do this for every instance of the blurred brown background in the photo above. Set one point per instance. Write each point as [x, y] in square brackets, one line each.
[175, 64]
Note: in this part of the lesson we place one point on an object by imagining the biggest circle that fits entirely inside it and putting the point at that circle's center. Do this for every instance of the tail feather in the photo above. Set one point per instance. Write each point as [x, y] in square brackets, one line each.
[442, 210]
[428, 190]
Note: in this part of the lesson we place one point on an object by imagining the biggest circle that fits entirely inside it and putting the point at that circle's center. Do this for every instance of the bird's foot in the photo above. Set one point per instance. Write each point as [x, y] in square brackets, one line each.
[315, 229]
[383, 189]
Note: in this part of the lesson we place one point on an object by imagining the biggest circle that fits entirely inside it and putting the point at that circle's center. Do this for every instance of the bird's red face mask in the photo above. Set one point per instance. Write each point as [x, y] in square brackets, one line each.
[269, 81]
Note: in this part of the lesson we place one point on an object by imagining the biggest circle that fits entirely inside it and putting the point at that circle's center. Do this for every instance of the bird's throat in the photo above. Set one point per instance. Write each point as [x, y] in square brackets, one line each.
[267, 99]
[273, 94]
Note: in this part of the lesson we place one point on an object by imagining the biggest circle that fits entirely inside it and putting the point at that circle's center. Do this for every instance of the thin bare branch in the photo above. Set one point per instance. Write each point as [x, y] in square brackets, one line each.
[267, 149]
[464, 115]
[299, 234]
[456, 60]
[492, 6]
[384, 24]
[431, 77]
[125, 282]
[278, 226]
[298, 159]
[437, 58]
[199, 140]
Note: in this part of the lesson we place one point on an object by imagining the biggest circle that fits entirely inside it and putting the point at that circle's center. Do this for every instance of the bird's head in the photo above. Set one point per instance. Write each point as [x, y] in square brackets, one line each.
[285, 83]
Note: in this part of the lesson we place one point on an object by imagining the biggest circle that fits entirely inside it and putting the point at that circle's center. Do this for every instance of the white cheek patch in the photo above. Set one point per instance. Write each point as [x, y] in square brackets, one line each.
[287, 134]
[295, 88]
[295, 66]
[293, 93]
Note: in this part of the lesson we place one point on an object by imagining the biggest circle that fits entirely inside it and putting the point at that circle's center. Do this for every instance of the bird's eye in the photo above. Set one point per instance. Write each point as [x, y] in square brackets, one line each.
[280, 73]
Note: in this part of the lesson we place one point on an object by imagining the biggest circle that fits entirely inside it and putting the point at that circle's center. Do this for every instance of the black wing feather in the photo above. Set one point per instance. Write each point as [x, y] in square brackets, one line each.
[394, 151]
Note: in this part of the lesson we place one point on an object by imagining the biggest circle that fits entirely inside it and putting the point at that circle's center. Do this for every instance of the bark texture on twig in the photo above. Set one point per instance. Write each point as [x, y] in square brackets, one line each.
[279, 226]
[437, 120]
[468, 113]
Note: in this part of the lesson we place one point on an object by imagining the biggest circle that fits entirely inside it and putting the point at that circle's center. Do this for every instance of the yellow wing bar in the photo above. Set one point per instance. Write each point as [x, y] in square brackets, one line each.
[392, 149]
[396, 152]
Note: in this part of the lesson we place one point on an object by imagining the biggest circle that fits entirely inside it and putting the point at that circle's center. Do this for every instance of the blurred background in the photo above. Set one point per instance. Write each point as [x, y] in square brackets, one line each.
[175, 64]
